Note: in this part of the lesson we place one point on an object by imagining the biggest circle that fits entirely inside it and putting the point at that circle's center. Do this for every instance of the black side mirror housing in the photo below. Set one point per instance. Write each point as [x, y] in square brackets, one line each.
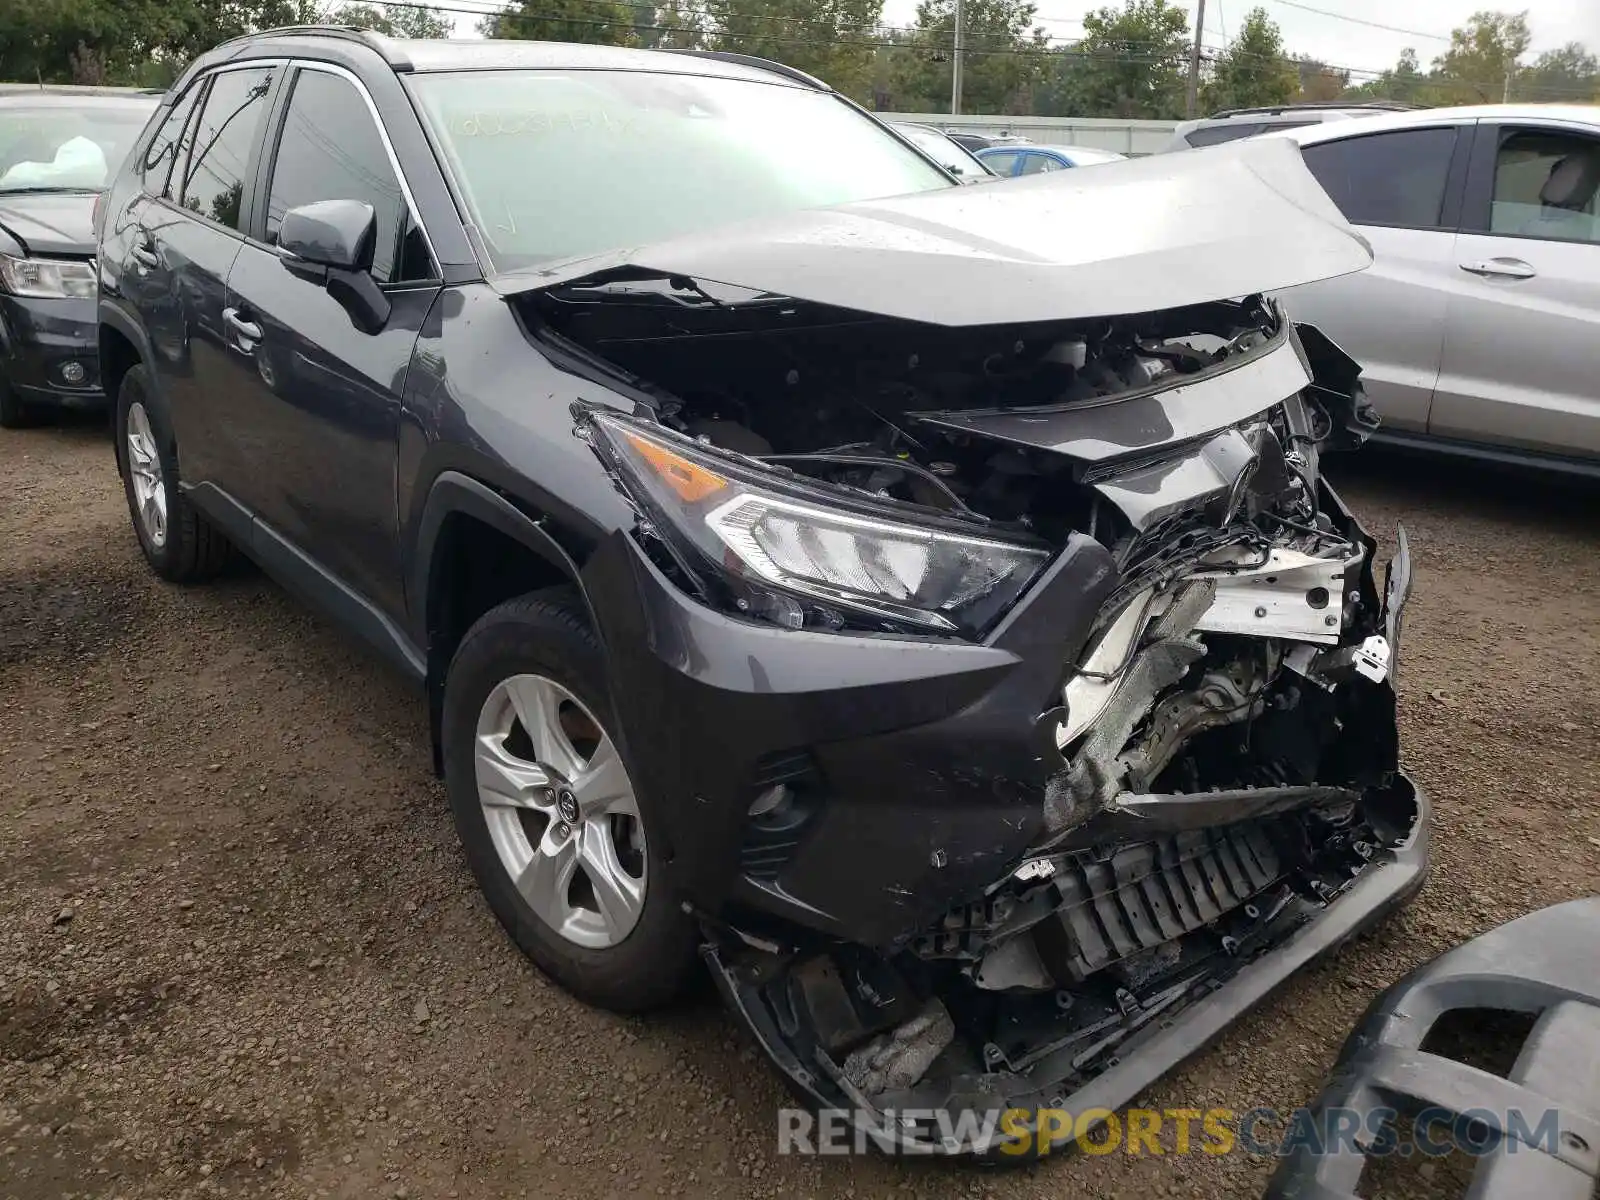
[331, 233]
[332, 242]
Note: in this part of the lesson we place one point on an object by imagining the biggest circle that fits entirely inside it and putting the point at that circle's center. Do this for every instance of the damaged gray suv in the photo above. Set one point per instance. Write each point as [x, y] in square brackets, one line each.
[923, 605]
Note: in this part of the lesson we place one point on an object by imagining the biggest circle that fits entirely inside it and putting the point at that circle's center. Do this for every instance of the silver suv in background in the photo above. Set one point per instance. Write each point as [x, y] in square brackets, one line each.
[1231, 124]
[1478, 324]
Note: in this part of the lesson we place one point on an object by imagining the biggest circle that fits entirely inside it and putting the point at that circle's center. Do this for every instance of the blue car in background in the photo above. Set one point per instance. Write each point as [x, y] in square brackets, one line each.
[1035, 160]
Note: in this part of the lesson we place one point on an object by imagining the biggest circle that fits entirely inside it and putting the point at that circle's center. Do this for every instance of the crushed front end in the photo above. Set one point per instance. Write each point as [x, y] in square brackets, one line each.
[1016, 816]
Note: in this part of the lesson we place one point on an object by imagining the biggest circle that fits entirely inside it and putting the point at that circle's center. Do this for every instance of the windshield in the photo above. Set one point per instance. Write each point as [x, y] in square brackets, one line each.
[943, 150]
[556, 165]
[70, 148]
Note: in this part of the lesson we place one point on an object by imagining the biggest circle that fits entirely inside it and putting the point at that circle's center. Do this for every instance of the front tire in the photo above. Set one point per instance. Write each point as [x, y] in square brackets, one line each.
[547, 815]
[178, 542]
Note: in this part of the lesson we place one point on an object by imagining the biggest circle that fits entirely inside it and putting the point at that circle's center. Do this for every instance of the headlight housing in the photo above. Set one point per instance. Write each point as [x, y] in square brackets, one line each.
[47, 278]
[799, 554]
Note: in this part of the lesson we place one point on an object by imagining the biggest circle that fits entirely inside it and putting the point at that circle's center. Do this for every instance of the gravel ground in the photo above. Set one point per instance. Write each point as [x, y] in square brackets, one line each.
[241, 955]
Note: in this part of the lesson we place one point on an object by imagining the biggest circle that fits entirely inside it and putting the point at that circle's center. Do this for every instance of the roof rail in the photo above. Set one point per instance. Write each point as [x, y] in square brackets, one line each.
[349, 33]
[1316, 105]
[760, 64]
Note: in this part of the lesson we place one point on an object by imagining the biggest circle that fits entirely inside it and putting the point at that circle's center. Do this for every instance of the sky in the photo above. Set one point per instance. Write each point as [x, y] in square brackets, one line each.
[1351, 38]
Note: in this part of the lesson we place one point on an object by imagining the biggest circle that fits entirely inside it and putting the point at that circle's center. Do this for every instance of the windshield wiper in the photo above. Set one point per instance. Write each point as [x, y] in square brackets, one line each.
[36, 189]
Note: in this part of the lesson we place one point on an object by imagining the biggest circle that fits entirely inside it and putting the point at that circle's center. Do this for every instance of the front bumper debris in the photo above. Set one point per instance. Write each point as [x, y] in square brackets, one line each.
[1157, 1033]
[1542, 966]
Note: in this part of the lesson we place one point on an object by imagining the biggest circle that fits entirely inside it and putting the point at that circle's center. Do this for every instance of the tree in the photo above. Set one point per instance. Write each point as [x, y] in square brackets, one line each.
[831, 39]
[1131, 63]
[1482, 60]
[605, 22]
[1405, 83]
[677, 27]
[1253, 70]
[1003, 56]
[390, 20]
[1318, 82]
[1571, 74]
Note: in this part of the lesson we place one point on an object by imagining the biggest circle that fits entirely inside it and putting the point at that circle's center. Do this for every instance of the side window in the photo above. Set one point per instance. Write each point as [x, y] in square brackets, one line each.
[1393, 178]
[330, 149]
[1001, 164]
[155, 169]
[1037, 164]
[213, 178]
[1545, 183]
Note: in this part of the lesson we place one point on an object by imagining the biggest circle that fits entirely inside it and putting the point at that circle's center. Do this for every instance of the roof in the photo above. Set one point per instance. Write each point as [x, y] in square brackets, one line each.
[1581, 114]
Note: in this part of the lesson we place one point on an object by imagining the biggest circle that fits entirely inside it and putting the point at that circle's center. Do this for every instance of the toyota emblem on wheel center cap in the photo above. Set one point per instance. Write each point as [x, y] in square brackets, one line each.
[567, 805]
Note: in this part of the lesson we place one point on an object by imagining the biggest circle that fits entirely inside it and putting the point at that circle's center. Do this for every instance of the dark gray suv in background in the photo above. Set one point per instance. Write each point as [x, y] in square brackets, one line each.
[924, 601]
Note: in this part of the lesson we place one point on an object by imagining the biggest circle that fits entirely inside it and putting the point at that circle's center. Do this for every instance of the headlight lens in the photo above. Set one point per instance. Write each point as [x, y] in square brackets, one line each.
[47, 278]
[782, 532]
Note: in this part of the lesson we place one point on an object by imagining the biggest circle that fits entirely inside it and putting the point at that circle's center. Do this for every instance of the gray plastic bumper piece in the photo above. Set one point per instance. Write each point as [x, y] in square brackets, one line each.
[1545, 965]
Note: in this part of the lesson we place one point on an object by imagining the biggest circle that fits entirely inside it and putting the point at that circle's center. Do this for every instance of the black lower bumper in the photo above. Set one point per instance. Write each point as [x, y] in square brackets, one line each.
[1533, 1131]
[49, 352]
[1181, 1031]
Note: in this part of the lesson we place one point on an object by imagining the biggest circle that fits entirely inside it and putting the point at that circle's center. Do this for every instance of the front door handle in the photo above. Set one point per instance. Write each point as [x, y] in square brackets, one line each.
[247, 331]
[1509, 268]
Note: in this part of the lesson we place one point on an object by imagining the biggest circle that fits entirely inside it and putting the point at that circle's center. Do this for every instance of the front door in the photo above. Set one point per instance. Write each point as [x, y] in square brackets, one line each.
[320, 401]
[1522, 349]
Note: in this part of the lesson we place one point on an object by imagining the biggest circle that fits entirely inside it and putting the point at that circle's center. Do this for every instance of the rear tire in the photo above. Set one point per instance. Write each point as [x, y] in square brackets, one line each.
[178, 542]
[606, 927]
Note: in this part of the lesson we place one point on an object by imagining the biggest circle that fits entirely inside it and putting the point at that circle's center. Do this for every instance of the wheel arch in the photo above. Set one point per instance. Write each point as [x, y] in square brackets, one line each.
[464, 525]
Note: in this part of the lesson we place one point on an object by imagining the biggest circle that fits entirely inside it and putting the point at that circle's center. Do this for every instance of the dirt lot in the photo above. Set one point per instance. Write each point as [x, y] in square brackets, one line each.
[241, 955]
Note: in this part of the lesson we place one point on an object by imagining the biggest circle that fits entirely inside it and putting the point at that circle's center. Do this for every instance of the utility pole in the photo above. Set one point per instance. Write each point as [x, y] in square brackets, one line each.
[955, 65]
[1194, 59]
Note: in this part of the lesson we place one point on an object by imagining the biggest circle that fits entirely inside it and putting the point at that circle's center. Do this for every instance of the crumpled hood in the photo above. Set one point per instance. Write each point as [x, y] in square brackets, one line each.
[1126, 237]
[50, 223]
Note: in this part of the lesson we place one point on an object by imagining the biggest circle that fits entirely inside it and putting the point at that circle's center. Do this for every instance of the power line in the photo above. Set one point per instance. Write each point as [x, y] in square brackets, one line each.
[1322, 12]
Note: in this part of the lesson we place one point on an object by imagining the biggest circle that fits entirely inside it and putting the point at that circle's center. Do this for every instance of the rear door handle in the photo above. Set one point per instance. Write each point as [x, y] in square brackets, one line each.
[144, 251]
[248, 331]
[1510, 268]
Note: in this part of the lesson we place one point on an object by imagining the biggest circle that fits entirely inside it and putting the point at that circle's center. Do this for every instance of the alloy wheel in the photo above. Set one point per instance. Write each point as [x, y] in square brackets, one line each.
[560, 810]
[144, 467]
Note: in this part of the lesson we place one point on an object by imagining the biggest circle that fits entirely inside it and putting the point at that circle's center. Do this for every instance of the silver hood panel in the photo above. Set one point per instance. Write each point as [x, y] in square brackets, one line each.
[1128, 237]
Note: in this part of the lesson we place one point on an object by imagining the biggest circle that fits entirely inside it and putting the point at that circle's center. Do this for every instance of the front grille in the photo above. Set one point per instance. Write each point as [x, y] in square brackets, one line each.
[1150, 893]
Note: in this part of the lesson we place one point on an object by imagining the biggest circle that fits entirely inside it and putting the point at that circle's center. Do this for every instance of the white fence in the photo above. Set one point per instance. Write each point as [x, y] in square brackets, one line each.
[1125, 137]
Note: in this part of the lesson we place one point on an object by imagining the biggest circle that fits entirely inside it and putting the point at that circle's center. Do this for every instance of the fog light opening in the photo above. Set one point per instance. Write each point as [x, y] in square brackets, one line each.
[73, 372]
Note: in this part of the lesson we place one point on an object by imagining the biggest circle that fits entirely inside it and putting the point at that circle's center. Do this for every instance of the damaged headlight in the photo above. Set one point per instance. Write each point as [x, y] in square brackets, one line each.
[780, 530]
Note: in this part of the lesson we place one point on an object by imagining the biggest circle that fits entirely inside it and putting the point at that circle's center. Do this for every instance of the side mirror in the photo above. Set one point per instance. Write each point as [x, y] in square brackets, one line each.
[331, 242]
[331, 233]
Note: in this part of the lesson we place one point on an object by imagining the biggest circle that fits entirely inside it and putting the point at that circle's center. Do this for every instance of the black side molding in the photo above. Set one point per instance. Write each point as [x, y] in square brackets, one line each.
[305, 576]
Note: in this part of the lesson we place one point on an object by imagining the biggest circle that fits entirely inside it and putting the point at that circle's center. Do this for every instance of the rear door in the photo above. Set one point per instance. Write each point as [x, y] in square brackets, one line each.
[182, 245]
[1402, 189]
[1521, 364]
[319, 398]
